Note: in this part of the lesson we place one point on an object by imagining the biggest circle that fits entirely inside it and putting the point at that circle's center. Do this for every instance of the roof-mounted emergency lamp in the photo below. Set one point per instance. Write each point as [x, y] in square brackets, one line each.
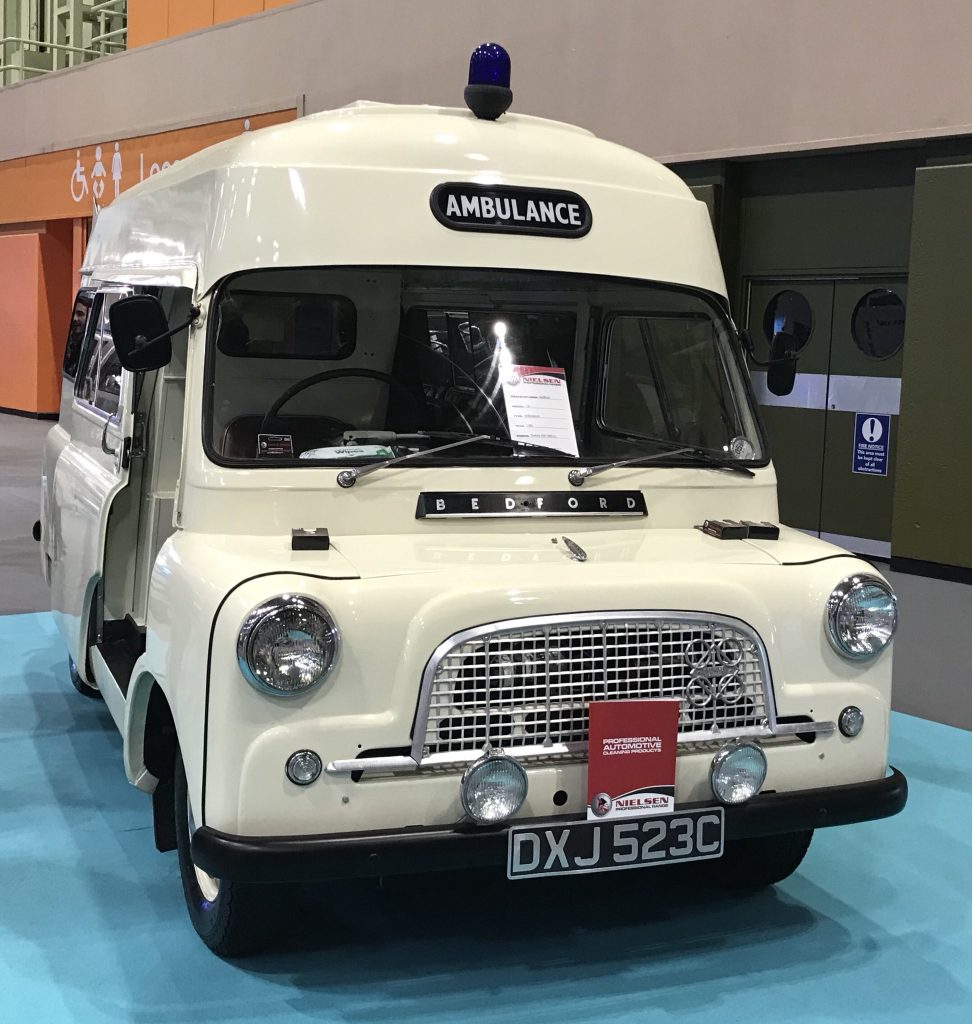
[488, 93]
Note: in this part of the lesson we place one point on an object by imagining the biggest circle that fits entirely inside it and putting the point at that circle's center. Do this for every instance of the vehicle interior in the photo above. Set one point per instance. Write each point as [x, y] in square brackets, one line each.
[321, 358]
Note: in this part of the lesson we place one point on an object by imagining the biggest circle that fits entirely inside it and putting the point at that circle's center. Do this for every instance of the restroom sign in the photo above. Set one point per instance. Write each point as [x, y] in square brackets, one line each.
[872, 438]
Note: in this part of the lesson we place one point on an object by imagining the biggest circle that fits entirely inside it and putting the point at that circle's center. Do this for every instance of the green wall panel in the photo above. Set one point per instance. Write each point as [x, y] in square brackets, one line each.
[854, 504]
[933, 496]
[831, 232]
[796, 438]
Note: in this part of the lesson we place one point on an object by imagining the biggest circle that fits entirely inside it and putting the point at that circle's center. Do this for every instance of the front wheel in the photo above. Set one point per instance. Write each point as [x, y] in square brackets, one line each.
[230, 917]
[761, 861]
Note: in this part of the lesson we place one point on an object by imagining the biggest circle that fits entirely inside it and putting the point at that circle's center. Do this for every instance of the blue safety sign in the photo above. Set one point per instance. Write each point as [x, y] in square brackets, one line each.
[872, 439]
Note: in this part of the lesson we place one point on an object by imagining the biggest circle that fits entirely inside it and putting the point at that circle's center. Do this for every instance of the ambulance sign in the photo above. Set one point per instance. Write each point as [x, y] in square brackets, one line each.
[872, 439]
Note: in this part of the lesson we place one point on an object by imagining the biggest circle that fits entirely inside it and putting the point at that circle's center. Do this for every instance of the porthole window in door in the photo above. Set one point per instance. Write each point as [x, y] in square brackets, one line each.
[788, 312]
[878, 323]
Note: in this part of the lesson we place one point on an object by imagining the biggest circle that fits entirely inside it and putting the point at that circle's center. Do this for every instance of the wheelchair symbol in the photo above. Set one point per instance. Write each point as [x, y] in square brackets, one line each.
[79, 182]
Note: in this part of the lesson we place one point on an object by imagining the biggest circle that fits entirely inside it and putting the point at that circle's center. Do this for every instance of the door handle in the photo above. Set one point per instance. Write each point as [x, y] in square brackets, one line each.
[104, 440]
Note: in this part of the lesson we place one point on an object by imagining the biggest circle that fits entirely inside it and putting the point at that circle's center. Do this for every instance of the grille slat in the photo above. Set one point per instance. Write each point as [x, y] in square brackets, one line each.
[527, 686]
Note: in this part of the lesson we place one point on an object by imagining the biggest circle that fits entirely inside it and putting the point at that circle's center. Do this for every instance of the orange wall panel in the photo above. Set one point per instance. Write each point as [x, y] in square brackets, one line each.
[19, 272]
[227, 10]
[62, 184]
[55, 299]
[148, 21]
[152, 20]
[188, 15]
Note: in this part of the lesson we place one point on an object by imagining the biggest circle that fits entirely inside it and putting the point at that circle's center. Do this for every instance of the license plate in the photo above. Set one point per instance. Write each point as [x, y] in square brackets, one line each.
[616, 844]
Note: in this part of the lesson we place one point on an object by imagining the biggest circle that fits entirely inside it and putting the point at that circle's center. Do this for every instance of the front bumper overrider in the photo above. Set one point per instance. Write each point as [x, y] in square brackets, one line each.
[421, 849]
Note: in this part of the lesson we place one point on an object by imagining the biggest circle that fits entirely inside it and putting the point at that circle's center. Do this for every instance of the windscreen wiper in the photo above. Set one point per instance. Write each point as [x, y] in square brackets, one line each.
[703, 456]
[513, 442]
[347, 477]
[391, 437]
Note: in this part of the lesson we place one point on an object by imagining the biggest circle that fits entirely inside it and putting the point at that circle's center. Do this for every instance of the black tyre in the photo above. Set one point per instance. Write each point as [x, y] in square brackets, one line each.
[765, 860]
[85, 689]
[232, 918]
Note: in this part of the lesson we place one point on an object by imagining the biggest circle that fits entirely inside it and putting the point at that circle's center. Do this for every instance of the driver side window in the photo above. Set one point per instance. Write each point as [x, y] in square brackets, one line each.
[99, 380]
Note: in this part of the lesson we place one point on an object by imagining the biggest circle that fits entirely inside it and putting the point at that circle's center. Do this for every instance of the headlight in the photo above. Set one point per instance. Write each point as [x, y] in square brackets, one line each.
[862, 615]
[493, 788]
[287, 645]
[738, 772]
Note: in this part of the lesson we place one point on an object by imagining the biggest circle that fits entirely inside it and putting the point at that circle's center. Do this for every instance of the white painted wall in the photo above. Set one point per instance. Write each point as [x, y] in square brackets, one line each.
[678, 79]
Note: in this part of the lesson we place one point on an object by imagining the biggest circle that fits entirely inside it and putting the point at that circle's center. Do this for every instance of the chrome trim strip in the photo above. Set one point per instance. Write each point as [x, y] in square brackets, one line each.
[372, 764]
[838, 392]
[881, 395]
[582, 619]
[534, 515]
[795, 728]
[809, 391]
[557, 750]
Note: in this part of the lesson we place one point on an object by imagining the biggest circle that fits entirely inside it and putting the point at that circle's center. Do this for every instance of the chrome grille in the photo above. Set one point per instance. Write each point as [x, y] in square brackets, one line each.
[525, 685]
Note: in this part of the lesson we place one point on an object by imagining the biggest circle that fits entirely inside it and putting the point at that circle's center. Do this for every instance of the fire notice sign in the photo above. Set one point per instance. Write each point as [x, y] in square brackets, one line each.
[631, 758]
[872, 439]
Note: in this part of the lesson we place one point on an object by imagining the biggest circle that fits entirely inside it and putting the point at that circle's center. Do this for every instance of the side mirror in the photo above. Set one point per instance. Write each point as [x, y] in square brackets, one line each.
[140, 331]
[781, 370]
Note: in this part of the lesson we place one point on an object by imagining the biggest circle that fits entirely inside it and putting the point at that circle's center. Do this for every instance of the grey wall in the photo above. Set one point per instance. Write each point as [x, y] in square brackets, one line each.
[680, 79]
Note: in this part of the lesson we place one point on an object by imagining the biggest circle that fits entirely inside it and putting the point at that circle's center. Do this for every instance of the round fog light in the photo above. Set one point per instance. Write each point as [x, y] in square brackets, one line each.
[303, 767]
[738, 772]
[493, 789]
[851, 721]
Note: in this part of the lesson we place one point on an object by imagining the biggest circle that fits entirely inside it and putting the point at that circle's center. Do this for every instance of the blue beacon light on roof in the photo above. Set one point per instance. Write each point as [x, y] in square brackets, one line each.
[488, 93]
[489, 65]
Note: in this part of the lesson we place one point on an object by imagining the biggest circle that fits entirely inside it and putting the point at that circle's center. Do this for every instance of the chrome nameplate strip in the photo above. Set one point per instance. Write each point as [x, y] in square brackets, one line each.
[504, 505]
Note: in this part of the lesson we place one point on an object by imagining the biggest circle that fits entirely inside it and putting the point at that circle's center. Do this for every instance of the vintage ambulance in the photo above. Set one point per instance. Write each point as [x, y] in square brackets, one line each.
[393, 443]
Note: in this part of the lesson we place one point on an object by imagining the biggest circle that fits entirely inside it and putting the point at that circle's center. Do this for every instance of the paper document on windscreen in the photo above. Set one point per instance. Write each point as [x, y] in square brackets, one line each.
[538, 407]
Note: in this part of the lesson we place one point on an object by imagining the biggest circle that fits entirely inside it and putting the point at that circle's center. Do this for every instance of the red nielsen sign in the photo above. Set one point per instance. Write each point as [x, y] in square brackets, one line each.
[631, 758]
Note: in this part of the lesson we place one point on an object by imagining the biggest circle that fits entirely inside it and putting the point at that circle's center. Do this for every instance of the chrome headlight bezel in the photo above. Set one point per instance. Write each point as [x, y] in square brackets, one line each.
[495, 757]
[730, 752]
[270, 609]
[847, 587]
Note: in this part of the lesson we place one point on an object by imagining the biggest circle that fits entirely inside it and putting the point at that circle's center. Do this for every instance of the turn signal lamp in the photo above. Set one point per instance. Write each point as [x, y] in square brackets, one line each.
[304, 767]
[488, 93]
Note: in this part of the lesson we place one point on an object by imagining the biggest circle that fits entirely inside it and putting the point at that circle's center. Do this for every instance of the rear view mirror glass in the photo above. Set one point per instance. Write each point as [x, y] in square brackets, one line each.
[139, 329]
[781, 373]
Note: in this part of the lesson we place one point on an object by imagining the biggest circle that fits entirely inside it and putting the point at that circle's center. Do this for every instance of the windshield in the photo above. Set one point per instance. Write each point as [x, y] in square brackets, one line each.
[330, 366]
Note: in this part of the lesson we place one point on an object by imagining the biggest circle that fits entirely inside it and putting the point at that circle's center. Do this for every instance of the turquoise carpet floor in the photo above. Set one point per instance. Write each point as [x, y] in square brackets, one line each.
[876, 925]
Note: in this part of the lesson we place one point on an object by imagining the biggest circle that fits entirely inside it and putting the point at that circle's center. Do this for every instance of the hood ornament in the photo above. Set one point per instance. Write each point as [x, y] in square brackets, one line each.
[574, 550]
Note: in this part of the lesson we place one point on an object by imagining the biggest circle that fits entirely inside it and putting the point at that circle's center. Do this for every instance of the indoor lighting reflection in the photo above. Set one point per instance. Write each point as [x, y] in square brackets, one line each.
[297, 188]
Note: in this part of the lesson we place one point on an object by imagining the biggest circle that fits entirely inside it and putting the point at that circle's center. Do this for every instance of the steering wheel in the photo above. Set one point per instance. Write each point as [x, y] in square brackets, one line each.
[318, 378]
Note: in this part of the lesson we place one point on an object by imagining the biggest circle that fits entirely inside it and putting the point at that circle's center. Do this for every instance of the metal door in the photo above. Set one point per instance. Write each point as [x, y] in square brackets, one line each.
[863, 399]
[89, 473]
[833, 438]
[796, 423]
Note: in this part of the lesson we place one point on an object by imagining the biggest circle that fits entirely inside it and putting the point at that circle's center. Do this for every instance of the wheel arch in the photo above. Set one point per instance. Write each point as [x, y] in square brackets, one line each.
[150, 752]
[150, 738]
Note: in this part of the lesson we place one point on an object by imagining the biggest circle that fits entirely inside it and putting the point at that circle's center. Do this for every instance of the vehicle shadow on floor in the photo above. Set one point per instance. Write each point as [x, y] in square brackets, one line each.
[77, 840]
[419, 935]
